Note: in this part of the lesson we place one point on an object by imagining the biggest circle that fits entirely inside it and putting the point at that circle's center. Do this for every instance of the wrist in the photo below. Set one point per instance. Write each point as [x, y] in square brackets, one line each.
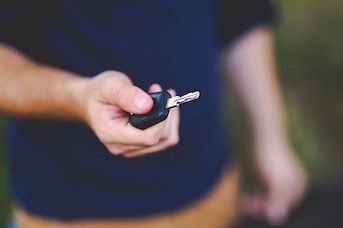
[77, 93]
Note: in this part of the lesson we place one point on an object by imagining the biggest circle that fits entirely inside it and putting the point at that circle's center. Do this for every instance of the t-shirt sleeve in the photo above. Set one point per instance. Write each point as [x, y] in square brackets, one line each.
[237, 16]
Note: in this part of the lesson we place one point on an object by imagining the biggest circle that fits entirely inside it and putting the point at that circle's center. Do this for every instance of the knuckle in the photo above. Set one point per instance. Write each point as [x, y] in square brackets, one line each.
[103, 140]
[151, 141]
[174, 140]
[128, 155]
[103, 136]
[121, 76]
[115, 150]
[108, 72]
[111, 73]
[111, 77]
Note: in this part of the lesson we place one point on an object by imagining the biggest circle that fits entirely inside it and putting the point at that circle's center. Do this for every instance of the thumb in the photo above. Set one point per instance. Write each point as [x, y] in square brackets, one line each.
[133, 99]
[117, 89]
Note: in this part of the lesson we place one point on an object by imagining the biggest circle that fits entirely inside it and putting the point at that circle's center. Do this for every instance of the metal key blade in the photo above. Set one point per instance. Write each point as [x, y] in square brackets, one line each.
[177, 100]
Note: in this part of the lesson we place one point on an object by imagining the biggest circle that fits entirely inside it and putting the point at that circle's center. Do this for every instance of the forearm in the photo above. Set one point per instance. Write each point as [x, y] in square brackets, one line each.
[251, 66]
[28, 89]
[253, 72]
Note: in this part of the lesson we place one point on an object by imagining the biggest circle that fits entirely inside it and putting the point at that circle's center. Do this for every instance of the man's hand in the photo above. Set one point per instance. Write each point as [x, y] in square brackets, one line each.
[109, 98]
[251, 63]
[31, 90]
[286, 182]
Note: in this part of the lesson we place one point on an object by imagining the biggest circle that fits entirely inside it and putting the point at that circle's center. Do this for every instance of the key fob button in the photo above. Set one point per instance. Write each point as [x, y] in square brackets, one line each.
[154, 110]
[157, 114]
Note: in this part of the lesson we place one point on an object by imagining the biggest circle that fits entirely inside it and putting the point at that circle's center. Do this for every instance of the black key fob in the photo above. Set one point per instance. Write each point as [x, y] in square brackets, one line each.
[157, 114]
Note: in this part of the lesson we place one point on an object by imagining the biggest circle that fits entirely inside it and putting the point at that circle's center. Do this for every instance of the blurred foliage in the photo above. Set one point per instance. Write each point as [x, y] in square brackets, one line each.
[4, 182]
[310, 56]
[309, 50]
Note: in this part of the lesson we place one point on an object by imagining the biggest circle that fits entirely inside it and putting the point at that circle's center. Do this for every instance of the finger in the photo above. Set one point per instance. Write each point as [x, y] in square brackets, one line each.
[253, 205]
[172, 92]
[286, 204]
[174, 122]
[171, 130]
[151, 136]
[116, 88]
[169, 139]
[277, 207]
[164, 143]
[300, 190]
[117, 149]
[132, 99]
[129, 135]
[158, 147]
[155, 88]
[298, 196]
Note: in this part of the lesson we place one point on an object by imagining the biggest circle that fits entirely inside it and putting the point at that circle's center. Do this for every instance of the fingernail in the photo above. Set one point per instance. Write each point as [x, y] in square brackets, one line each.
[140, 103]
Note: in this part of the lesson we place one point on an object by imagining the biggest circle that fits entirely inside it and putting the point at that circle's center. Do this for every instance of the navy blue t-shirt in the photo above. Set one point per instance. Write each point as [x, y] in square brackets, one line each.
[60, 169]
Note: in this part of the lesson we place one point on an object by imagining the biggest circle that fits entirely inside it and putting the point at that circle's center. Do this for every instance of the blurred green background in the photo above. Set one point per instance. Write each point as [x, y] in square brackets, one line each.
[309, 51]
[4, 182]
[310, 55]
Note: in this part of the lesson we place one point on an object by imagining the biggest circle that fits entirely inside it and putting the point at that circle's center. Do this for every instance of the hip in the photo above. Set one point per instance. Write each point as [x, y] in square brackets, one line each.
[216, 209]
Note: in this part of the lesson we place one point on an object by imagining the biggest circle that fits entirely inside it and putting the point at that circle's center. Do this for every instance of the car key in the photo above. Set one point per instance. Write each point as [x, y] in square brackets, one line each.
[160, 110]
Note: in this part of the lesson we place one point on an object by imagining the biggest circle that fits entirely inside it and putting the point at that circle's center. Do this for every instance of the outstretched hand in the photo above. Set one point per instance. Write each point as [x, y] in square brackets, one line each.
[108, 99]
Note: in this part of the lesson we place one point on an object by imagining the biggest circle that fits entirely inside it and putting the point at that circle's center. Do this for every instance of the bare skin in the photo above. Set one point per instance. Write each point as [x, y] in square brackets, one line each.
[250, 62]
[28, 89]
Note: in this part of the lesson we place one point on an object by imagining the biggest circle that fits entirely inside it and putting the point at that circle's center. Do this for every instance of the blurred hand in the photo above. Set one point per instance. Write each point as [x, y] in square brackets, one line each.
[285, 180]
[108, 99]
[251, 63]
